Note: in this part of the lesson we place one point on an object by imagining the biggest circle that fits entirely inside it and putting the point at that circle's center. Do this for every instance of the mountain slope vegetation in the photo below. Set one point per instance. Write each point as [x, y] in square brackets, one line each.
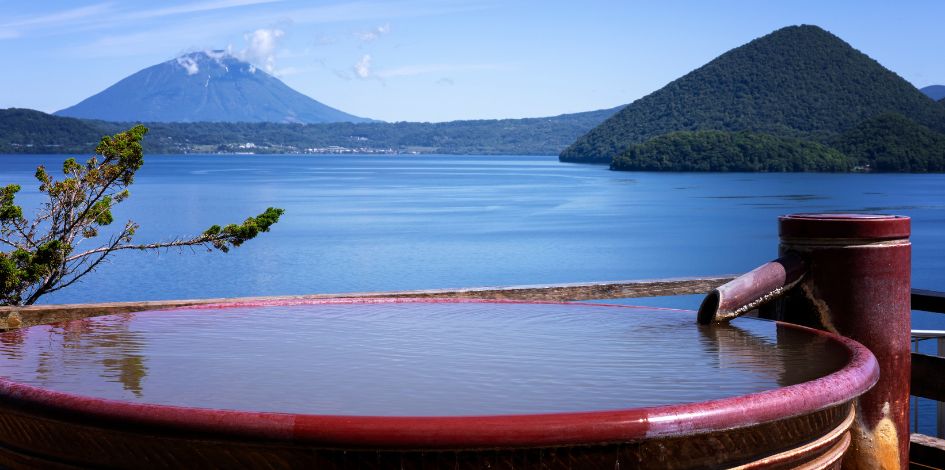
[30, 131]
[730, 151]
[893, 143]
[799, 82]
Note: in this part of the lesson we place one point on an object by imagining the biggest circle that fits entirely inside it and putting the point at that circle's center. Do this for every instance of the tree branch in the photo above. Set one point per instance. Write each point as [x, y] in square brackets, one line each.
[10, 242]
[90, 268]
[202, 240]
[19, 225]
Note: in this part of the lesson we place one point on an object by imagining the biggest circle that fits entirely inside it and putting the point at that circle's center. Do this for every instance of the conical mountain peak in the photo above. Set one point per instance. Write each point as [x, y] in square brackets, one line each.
[210, 86]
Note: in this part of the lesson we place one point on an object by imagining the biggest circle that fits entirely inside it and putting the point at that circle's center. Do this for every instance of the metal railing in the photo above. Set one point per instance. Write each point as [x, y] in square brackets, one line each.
[928, 381]
[918, 337]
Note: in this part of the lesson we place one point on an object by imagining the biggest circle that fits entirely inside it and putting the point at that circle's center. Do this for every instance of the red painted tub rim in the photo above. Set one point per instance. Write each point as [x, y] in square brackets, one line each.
[529, 430]
[844, 226]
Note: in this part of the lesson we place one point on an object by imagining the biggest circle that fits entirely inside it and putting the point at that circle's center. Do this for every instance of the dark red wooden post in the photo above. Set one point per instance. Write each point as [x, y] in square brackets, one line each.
[858, 285]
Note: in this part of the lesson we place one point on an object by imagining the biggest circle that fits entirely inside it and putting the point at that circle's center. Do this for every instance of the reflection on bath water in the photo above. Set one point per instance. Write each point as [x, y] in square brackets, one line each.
[414, 358]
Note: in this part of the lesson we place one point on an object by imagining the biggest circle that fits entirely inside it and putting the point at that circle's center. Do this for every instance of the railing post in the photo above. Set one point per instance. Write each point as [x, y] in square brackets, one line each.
[858, 285]
[940, 406]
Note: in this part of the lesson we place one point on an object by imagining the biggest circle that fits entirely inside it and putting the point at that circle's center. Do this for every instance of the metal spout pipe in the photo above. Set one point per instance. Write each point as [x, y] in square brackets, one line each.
[750, 290]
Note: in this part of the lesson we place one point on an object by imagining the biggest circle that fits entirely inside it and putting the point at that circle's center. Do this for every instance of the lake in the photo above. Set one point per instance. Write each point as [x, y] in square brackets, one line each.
[369, 223]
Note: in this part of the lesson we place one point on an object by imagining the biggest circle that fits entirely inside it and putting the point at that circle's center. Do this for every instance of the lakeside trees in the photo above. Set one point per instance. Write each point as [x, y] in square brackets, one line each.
[730, 151]
[43, 253]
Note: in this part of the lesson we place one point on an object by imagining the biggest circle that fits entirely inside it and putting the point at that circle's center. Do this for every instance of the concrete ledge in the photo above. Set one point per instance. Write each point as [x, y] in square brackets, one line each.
[926, 451]
[20, 317]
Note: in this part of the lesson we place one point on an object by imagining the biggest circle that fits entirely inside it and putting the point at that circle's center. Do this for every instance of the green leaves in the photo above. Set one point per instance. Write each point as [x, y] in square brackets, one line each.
[235, 235]
[8, 210]
[123, 154]
[20, 268]
[70, 167]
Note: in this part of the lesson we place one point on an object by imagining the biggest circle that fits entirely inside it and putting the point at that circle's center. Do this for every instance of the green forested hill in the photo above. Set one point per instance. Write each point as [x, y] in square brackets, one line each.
[892, 142]
[729, 151]
[29, 131]
[534, 136]
[798, 82]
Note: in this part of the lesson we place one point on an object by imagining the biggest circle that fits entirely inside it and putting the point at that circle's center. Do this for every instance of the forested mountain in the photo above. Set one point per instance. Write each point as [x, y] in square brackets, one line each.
[936, 92]
[799, 82]
[532, 136]
[210, 86]
[29, 131]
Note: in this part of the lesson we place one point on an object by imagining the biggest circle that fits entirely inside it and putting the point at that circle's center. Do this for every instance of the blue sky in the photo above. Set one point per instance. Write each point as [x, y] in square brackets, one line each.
[417, 60]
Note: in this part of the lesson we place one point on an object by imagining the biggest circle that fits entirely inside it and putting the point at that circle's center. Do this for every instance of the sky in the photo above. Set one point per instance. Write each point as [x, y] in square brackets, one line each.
[422, 60]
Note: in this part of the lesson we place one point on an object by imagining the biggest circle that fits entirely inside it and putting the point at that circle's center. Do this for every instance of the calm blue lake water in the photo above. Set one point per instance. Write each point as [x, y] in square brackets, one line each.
[367, 223]
[422, 222]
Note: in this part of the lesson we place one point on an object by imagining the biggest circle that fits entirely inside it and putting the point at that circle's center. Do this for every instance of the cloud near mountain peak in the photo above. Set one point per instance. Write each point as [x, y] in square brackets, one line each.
[261, 48]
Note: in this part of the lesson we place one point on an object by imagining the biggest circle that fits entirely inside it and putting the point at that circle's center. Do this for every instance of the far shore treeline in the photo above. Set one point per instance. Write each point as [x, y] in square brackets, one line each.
[29, 131]
[799, 99]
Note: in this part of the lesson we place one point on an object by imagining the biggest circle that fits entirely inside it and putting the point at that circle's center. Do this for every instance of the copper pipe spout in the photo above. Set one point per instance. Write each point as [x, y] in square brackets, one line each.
[750, 290]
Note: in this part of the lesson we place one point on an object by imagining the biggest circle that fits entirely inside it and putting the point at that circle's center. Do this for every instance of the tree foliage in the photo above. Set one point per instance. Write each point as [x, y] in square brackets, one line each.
[798, 82]
[43, 254]
[29, 131]
[729, 151]
[893, 143]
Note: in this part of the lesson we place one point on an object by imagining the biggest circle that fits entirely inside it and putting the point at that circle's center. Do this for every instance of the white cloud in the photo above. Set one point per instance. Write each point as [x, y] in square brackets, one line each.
[363, 68]
[383, 10]
[412, 70]
[194, 8]
[190, 65]
[208, 21]
[103, 16]
[261, 48]
[62, 18]
[373, 34]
